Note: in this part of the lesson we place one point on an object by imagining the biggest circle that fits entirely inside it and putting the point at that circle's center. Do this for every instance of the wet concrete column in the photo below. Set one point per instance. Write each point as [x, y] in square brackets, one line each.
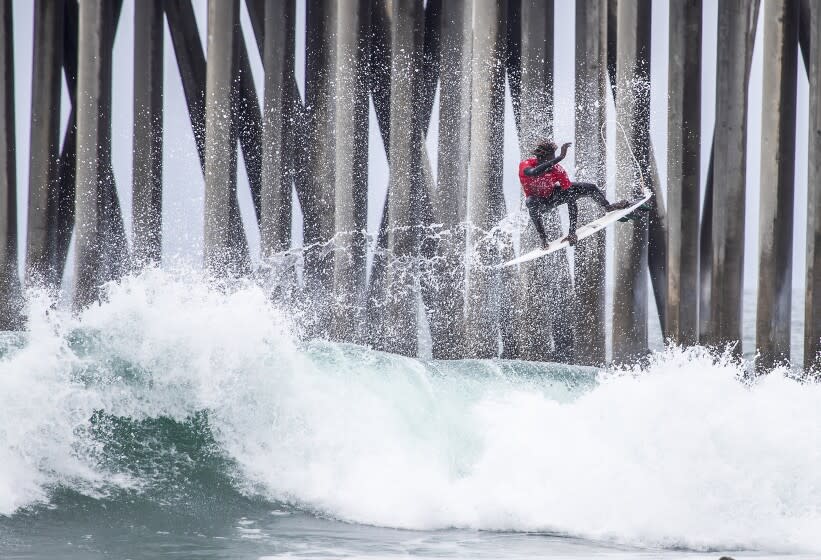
[735, 43]
[812, 303]
[450, 192]
[185, 38]
[405, 160]
[275, 226]
[318, 208]
[221, 137]
[10, 301]
[633, 117]
[775, 226]
[44, 147]
[148, 131]
[544, 300]
[351, 174]
[98, 240]
[591, 154]
[683, 170]
[486, 204]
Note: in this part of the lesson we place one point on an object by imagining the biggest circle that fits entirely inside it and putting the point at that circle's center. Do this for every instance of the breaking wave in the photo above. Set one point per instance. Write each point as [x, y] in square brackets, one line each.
[171, 388]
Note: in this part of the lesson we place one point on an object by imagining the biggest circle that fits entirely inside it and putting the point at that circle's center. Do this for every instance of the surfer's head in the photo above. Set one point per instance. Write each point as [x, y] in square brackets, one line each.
[545, 149]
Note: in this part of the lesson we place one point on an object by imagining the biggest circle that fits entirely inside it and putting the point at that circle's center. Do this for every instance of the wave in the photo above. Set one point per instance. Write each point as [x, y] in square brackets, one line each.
[171, 387]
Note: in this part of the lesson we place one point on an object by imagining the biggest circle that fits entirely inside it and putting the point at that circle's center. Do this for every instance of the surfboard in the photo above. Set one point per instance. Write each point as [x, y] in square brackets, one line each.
[585, 231]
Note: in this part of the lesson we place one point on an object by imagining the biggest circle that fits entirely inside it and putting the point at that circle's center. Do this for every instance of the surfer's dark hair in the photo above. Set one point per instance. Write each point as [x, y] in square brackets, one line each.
[545, 148]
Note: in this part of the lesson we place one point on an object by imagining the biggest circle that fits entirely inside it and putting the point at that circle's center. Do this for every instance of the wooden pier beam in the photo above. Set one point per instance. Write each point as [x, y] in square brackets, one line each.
[633, 116]
[775, 227]
[277, 59]
[450, 192]
[486, 205]
[351, 173]
[591, 166]
[10, 296]
[683, 171]
[736, 27]
[41, 266]
[405, 160]
[148, 132]
[101, 250]
[221, 247]
[812, 303]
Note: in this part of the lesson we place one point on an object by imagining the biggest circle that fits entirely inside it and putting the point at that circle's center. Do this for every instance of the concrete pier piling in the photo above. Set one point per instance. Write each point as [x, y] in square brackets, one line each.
[812, 303]
[351, 173]
[222, 255]
[443, 230]
[591, 152]
[318, 209]
[736, 27]
[450, 194]
[44, 147]
[191, 63]
[405, 161]
[10, 297]
[185, 38]
[485, 196]
[101, 249]
[148, 131]
[275, 224]
[543, 307]
[775, 226]
[633, 117]
[683, 171]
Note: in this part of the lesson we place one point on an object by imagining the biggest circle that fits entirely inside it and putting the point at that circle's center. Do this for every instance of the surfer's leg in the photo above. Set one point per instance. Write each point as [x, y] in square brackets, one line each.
[579, 190]
[535, 206]
[566, 196]
[589, 189]
[573, 213]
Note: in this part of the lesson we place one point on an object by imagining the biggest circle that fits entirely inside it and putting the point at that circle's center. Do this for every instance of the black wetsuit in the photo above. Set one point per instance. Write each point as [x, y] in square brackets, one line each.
[537, 205]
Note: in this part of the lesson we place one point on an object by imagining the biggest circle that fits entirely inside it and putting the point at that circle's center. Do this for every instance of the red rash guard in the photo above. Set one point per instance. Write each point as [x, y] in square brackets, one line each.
[542, 185]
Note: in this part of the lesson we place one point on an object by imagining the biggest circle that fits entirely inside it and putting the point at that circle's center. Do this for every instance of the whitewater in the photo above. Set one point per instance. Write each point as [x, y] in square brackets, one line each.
[188, 409]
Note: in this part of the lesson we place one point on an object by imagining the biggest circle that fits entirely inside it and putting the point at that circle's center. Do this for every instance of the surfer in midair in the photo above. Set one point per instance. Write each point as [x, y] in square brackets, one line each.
[546, 185]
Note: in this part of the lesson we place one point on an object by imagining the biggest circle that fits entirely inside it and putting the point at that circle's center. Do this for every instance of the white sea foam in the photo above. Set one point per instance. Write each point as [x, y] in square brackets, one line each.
[683, 454]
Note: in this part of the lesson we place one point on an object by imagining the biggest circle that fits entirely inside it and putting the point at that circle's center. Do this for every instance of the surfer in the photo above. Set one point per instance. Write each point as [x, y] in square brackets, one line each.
[546, 185]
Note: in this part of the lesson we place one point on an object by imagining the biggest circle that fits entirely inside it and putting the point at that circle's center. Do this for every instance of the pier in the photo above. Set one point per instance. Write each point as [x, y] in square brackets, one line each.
[434, 259]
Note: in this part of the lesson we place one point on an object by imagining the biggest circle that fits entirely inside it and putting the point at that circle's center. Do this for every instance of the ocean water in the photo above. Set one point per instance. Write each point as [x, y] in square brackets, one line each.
[178, 420]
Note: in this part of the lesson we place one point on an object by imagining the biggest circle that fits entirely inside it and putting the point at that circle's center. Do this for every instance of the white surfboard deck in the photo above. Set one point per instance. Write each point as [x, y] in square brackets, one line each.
[585, 231]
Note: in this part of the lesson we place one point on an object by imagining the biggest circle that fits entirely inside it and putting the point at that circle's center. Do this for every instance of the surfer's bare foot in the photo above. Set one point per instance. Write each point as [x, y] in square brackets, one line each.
[620, 205]
[571, 239]
[544, 243]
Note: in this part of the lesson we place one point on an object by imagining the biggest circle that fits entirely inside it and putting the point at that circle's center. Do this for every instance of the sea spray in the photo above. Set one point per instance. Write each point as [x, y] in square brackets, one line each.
[681, 454]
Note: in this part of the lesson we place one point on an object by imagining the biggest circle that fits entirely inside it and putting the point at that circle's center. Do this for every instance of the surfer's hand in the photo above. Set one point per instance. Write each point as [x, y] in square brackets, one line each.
[565, 146]
[571, 238]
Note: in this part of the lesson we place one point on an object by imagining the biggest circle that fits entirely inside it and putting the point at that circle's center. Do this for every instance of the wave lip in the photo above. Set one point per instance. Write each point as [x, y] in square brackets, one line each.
[682, 455]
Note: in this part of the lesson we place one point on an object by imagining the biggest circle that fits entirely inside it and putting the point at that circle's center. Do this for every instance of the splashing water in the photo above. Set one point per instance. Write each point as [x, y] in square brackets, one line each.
[169, 378]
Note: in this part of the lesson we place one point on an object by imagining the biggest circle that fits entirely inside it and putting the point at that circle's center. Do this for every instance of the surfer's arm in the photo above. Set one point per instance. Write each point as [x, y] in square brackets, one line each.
[547, 165]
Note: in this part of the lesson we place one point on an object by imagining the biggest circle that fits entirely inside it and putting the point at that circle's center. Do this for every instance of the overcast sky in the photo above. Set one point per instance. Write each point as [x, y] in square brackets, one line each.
[183, 182]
